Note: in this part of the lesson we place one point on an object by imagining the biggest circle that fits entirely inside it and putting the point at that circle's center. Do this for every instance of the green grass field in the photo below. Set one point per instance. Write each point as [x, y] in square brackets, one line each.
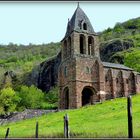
[108, 119]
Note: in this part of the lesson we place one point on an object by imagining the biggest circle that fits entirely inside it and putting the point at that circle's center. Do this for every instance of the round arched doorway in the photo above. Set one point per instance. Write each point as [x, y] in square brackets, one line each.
[88, 94]
[66, 98]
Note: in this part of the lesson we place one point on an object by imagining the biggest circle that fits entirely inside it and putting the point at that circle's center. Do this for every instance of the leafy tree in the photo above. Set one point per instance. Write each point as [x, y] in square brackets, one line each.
[31, 97]
[132, 59]
[108, 30]
[8, 101]
[119, 28]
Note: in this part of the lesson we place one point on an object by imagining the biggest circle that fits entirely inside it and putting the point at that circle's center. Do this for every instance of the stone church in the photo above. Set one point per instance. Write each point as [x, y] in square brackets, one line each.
[82, 77]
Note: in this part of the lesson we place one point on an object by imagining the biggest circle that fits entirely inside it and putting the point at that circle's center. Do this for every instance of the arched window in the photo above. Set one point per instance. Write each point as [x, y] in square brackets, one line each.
[82, 44]
[66, 98]
[85, 26]
[117, 80]
[90, 45]
[127, 81]
[65, 71]
[87, 70]
[106, 79]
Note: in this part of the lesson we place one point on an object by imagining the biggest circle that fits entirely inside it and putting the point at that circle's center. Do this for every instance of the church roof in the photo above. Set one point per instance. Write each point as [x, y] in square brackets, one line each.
[113, 65]
[75, 24]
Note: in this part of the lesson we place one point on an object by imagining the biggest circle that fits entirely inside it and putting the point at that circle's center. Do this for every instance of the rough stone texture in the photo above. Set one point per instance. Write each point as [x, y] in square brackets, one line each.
[48, 73]
[28, 113]
[32, 78]
[83, 78]
[107, 50]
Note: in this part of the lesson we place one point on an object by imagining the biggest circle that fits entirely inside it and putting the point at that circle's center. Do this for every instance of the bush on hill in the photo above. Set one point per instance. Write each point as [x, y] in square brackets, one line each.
[8, 101]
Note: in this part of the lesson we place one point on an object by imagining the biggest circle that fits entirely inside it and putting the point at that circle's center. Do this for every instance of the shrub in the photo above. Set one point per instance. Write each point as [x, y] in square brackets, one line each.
[45, 105]
[132, 59]
[52, 96]
[31, 97]
[8, 101]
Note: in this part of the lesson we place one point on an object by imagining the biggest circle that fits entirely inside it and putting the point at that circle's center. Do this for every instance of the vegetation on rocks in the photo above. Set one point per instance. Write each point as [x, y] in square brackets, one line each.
[21, 60]
[124, 39]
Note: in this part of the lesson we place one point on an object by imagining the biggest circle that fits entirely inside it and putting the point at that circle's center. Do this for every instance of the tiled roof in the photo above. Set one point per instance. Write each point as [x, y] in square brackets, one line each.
[113, 65]
[74, 23]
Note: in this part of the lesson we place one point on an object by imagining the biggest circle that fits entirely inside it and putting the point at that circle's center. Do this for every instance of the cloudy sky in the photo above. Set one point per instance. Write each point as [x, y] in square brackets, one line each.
[45, 22]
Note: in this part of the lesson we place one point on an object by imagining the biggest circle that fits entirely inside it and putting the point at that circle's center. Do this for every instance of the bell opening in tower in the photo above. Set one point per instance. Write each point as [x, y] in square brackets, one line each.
[82, 44]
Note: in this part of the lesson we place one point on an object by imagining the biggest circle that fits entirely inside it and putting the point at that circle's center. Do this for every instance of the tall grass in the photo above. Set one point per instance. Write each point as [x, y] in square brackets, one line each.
[106, 120]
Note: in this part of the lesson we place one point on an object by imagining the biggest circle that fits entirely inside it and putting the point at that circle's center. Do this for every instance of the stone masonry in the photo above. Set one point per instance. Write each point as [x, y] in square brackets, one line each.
[82, 77]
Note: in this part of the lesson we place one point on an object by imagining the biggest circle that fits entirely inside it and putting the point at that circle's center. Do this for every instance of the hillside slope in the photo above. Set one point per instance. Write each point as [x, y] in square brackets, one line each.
[19, 64]
[121, 44]
[108, 119]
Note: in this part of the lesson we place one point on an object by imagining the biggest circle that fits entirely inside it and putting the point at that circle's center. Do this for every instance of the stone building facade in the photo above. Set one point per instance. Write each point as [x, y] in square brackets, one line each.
[82, 77]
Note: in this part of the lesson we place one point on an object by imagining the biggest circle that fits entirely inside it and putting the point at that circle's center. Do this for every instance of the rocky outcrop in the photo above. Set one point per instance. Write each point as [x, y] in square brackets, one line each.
[44, 76]
[110, 48]
[27, 114]
[32, 78]
[8, 79]
[48, 73]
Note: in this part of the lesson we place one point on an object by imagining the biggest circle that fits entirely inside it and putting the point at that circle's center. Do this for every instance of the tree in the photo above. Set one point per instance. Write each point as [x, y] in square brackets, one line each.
[52, 96]
[31, 97]
[132, 59]
[8, 101]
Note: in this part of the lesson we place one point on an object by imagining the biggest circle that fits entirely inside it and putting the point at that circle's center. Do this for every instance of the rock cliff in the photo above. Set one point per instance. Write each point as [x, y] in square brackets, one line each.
[110, 48]
[48, 73]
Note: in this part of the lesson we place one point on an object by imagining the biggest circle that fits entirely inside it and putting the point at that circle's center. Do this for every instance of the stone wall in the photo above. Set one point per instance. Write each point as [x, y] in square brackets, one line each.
[78, 77]
[119, 82]
[106, 83]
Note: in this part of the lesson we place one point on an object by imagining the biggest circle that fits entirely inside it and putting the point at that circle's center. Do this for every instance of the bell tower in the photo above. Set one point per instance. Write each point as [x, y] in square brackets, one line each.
[79, 77]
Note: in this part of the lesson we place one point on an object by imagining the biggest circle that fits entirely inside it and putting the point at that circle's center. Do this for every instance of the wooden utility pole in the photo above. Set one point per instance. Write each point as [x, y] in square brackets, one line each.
[7, 133]
[129, 111]
[66, 126]
[36, 131]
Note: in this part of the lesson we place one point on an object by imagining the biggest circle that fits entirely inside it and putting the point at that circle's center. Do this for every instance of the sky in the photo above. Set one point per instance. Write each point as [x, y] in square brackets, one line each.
[45, 22]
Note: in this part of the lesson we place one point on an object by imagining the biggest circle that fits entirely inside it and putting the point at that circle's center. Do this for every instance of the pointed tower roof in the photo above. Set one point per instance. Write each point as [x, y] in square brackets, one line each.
[77, 21]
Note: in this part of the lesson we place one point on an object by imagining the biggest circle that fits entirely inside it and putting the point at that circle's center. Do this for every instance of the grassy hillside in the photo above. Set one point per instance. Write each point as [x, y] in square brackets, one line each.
[129, 29]
[21, 59]
[18, 57]
[108, 119]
